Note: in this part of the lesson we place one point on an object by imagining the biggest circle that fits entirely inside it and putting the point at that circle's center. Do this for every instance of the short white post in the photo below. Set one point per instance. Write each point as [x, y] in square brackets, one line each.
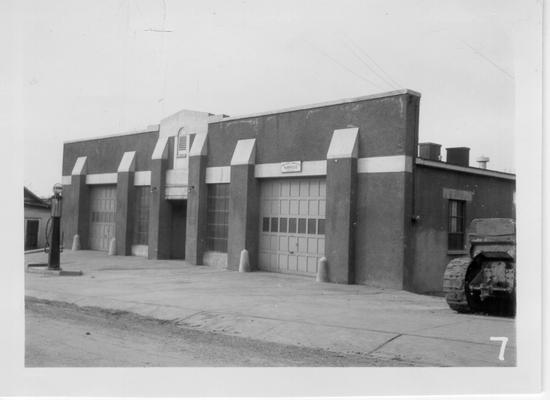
[322, 270]
[244, 263]
[112, 247]
[76, 243]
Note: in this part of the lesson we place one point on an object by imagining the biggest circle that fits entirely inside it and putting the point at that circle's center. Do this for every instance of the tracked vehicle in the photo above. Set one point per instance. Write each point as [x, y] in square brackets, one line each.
[485, 282]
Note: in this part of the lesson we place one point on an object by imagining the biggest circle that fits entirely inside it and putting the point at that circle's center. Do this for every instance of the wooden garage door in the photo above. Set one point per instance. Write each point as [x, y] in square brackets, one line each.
[292, 225]
[102, 216]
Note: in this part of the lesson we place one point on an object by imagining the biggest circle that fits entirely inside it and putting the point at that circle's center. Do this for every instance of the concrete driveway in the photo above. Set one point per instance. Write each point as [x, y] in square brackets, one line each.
[279, 308]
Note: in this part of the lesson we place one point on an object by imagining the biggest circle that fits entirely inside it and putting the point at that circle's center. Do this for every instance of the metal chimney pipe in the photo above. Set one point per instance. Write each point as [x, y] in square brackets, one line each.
[482, 161]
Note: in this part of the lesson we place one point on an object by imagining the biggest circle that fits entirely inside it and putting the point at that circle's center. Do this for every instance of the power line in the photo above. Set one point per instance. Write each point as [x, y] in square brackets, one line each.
[369, 67]
[343, 66]
[375, 63]
[489, 60]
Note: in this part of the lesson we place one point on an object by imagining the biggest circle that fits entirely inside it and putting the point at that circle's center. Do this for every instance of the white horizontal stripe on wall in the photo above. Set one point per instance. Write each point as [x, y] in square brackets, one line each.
[176, 192]
[218, 175]
[142, 178]
[470, 170]
[273, 170]
[176, 184]
[177, 177]
[101, 179]
[370, 165]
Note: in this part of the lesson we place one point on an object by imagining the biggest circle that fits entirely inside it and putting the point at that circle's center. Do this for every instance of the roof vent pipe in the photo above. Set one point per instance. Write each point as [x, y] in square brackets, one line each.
[482, 162]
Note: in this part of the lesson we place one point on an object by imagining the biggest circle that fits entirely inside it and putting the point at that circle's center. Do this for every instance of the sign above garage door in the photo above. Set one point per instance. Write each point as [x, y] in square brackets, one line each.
[291, 166]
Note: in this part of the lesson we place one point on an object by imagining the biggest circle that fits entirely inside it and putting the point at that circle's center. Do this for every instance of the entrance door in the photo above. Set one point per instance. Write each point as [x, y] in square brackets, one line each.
[31, 238]
[292, 225]
[177, 238]
[102, 216]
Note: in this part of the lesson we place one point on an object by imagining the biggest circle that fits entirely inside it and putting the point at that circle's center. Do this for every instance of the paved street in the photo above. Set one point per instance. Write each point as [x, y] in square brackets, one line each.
[253, 313]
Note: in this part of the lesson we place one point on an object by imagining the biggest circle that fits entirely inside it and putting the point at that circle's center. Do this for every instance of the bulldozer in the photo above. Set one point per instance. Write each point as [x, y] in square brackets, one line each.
[485, 281]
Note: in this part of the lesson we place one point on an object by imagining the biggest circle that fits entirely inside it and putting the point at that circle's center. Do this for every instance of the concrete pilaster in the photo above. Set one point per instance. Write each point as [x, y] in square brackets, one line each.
[75, 217]
[160, 210]
[125, 199]
[124, 214]
[341, 206]
[341, 219]
[195, 241]
[244, 194]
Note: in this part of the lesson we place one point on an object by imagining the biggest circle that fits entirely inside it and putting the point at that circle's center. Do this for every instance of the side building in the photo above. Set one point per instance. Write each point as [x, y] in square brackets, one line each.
[341, 180]
[36, 214]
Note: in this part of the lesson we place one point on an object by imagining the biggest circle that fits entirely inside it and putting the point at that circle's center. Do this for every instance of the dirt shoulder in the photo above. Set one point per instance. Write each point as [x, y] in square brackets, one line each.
[64, 335]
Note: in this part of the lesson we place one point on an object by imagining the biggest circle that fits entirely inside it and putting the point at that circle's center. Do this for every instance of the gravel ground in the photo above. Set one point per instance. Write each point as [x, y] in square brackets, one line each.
[63, 335]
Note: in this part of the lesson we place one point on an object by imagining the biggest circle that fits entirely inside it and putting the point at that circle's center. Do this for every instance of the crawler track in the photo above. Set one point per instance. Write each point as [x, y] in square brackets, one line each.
[453, 284]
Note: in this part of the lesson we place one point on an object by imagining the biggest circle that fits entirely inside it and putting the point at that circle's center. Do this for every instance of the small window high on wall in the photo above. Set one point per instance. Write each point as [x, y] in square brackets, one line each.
[456, 229]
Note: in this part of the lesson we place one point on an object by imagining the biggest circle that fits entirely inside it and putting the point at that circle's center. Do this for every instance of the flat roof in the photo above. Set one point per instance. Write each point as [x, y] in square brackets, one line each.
[460, 168]
[150, 128]
[324, 104]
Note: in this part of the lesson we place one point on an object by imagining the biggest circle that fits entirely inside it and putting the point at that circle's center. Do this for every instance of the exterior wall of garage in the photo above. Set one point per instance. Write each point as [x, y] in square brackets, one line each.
[364, 151]
[379, 174]
[104, 154]
[102, 158]
[484, 196]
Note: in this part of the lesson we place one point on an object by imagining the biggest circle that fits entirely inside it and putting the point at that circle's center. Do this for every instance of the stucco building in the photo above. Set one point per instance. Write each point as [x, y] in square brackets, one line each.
[345, 179]
[36, 214]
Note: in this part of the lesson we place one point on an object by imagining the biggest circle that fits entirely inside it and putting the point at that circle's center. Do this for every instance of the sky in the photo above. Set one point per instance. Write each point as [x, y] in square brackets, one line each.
[94, 68]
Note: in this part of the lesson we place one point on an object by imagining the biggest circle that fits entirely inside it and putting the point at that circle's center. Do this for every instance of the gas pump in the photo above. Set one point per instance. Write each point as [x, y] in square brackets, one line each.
[53, 231]
[56, 207]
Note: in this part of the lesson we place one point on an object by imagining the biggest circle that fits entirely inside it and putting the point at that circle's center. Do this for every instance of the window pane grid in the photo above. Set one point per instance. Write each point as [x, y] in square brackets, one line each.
[217, 217]
[456, 225]
[310, 226]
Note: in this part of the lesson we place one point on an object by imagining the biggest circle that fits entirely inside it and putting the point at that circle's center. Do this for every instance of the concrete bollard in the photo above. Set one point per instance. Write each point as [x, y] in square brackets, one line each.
[322, 270]
[112, 247]
[244, 263]
[76, 243]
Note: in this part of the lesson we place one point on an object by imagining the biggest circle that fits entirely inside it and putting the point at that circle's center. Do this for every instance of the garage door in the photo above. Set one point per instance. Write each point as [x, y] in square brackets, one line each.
[292, 225]
[102, 216]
